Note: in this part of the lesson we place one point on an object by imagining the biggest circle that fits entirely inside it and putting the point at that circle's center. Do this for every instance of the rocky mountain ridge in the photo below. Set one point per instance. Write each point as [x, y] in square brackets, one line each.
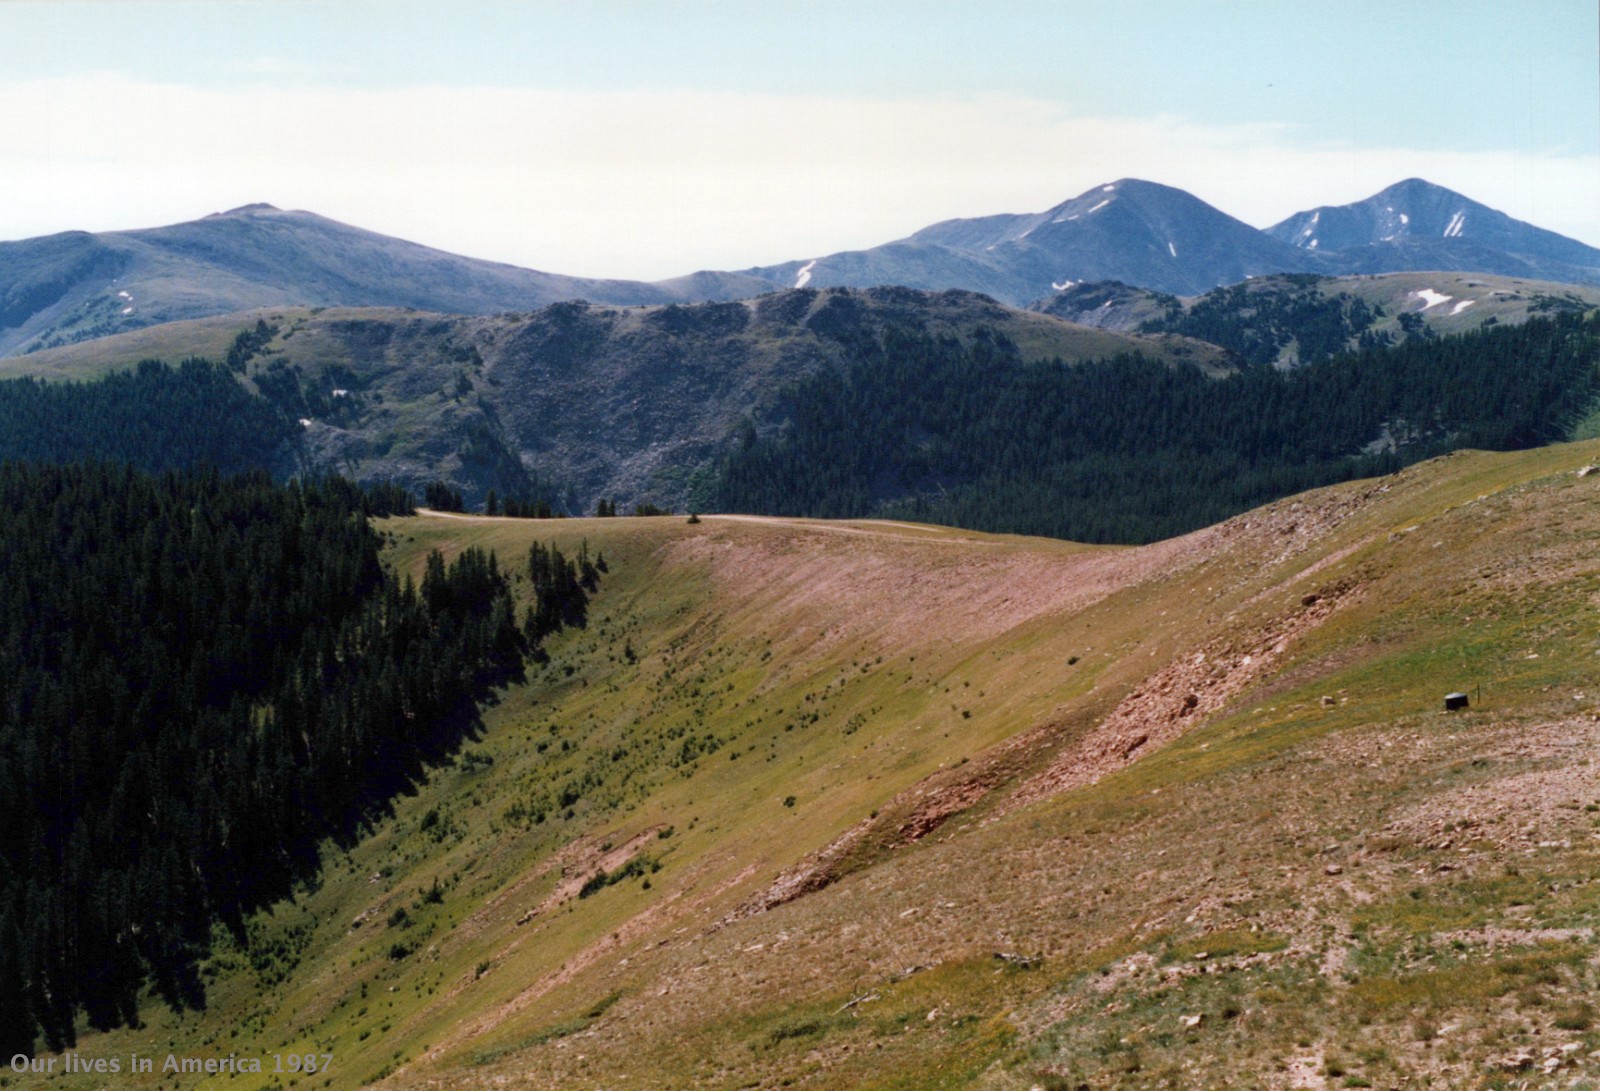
[75, 286]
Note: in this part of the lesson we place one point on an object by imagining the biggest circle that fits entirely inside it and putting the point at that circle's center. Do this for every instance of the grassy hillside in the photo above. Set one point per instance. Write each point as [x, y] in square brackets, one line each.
[878, 805]
[171, 341]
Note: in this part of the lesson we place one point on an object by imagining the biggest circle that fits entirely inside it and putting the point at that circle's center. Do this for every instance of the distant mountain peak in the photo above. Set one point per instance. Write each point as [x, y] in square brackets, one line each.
[1127, 187]
[63, 288]
[249, 210]
[1147, 186]
[1414, 183]
[1413, 208]
[1417, 224]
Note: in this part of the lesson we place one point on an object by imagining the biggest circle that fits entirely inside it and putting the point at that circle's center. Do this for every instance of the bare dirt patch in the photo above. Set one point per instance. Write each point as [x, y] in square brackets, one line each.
[1180, 696]
[906, 590]
[1534, 778]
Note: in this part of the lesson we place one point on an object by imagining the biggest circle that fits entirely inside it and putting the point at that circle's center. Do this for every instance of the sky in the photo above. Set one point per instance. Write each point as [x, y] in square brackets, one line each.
[646, 139]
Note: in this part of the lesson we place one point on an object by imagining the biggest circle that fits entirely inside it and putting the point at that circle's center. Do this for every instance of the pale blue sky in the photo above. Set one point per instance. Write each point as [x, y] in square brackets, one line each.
[644, 139]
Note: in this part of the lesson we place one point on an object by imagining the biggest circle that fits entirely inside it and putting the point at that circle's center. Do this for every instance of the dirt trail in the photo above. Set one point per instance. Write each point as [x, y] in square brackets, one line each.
[872, 528]
[465, 517]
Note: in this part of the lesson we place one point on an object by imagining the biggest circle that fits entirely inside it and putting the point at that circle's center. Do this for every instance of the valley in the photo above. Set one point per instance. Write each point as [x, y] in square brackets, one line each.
[828, 547]
[873, 805]
[882, 402]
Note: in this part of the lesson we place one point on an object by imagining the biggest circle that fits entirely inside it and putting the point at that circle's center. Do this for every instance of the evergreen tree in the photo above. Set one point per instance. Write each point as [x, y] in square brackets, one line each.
[205, 677]
[1131, 450]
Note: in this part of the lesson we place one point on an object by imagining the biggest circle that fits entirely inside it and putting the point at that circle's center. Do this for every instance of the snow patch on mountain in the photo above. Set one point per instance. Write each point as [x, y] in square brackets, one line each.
[803, 277]
[1455, 225]
[1431, 298]
[1463, 305]
[1101, 205]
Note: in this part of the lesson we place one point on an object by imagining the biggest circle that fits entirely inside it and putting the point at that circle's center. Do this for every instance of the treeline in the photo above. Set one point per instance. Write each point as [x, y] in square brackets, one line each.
[443, 497]
[440, 496]
[1128, 450]
[159, 418]
[155, 417]
[201, 677]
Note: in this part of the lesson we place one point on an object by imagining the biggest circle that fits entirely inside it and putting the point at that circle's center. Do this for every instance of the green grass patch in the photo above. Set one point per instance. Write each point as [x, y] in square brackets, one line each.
[1463, 985]
[564, 1029]
[1439, 908]
[1223, 944]
[810, 1026]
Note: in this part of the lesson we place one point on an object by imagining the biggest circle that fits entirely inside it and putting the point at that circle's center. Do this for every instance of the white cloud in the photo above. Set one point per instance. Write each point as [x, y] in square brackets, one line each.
[653, 184]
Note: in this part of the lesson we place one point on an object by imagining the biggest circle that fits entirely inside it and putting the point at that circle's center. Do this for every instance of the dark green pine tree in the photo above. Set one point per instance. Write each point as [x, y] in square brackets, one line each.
[18, 1031]
[246, 682]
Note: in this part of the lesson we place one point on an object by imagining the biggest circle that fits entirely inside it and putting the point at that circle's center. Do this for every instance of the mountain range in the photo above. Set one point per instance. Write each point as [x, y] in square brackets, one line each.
[75, 286]
[826, 804]
[1167, 240]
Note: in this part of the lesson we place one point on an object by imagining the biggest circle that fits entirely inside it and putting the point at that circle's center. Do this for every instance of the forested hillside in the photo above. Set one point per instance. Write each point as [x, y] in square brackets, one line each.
[202, 678]
[154, 417]
[569, 404]
[1129, 450]
[858, 403]
[1259, 323]
[1294, 319]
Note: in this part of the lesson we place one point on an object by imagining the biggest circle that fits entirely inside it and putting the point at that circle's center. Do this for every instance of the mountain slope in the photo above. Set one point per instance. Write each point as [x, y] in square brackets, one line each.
[894, 403]
[1126, 450]
[880, 806]
[625, 403]
[1130, 230]
[1299, 318]
[75, 286]
[1415, 224]
[1166, 240]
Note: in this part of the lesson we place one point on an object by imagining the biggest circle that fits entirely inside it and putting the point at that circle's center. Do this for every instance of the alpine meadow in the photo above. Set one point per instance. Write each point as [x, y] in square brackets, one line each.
[840, 634]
